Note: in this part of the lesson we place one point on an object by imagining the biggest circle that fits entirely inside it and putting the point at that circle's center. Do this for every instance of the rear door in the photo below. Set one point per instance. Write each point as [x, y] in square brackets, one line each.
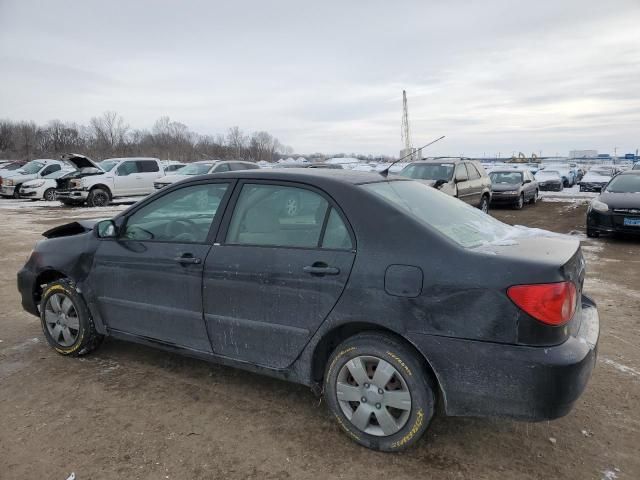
[463, 186]
[148, 172]
[475, 184]
[281, 262]
[126, 180]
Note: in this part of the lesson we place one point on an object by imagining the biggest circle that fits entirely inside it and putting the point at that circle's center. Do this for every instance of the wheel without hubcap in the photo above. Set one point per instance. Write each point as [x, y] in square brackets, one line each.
[373, 396]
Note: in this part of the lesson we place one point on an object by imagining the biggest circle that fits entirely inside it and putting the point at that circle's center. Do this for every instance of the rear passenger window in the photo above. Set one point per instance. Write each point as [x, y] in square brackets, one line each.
[50, 169]
[473, 171]
[224, 167]
[336, 234]
[276, 215]
[127, 168]
[146, 166]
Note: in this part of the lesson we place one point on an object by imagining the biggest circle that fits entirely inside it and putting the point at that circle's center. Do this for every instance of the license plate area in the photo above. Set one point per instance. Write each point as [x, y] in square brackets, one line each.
[631, 222]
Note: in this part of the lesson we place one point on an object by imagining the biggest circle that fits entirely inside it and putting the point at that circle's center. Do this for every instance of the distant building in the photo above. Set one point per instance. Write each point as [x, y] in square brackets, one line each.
[583, 154]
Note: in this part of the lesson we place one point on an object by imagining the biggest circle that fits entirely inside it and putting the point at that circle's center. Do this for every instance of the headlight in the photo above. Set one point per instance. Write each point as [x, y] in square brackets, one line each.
[75, 183]
[599, 206]
[510, 192]
[8, 183]
[35, 184]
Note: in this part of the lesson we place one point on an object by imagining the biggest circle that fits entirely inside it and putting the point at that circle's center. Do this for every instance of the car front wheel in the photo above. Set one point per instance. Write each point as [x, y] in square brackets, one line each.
[520, 203]
[66, 321]
[98, 197]
[484, 204]
[49, 194]
[379, 392]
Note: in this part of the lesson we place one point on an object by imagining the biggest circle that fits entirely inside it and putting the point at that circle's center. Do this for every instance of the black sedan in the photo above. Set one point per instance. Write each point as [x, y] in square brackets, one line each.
[383, 294]
[513, 187]
[617, 208]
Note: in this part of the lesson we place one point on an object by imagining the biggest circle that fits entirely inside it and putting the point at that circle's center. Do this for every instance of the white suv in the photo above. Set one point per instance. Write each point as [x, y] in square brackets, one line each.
[98, 184]
[10, 184]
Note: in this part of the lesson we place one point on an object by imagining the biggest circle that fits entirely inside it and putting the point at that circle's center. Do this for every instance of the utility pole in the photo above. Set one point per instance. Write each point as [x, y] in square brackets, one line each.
[405, 132]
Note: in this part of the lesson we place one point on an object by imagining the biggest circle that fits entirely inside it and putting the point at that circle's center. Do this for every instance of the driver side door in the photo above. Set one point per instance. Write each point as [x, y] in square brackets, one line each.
[148, 281]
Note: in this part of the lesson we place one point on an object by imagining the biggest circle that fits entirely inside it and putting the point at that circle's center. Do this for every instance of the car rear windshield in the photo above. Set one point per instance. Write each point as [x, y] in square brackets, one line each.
[624, 184]
[196, 169]
[462, 223]
[429, 171]
[506, 177]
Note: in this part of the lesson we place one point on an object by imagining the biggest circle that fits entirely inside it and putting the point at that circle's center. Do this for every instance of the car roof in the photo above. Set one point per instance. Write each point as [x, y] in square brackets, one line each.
[441, 160]
[308, 175]
[508, 170]
[120, 159]
[629, 172]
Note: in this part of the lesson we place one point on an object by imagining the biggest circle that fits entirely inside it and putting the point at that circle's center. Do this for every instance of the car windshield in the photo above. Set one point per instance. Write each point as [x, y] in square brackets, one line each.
[506, 177]
[196, 169]
[429, 171]
[57, 174]
[107, 165]
[624, 184]
[462, 223]
[32, 167]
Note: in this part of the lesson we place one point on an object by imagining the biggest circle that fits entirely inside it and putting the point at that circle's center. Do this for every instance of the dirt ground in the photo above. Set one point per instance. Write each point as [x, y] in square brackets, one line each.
[129, 412]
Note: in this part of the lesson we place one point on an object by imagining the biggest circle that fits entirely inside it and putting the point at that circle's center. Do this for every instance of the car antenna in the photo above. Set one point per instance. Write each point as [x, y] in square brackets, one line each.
[385, 172]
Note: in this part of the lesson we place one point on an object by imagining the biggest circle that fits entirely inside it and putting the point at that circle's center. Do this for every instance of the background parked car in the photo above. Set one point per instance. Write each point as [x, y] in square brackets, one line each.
[460, 178]
[98, 184]
[203, 167]
[513, 187]
[549, 180]
[617, 208]
[11, 184]
[636, 166]
[567, 173]
[170, 166]
[596, 178]
[43, 188]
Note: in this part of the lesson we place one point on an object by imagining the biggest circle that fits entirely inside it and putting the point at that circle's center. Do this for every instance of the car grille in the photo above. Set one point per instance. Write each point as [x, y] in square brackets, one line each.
[632, 211]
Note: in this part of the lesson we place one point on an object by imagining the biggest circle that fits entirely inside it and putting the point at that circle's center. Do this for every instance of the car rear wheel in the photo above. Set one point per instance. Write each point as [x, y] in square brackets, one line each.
[49, 194]
[484, 204]
[98, 197]
[66, 321]
[377, 389]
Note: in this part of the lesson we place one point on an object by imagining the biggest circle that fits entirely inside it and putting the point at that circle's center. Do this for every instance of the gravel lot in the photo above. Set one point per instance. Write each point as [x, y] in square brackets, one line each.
[128, 412]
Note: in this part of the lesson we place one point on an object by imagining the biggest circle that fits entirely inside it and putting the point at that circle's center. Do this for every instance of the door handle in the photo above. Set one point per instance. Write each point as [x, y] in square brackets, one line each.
[320, 269]
[188, 259]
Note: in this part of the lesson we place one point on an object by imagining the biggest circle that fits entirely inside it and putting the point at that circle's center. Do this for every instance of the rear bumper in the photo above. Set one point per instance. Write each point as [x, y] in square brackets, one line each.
[528, 383]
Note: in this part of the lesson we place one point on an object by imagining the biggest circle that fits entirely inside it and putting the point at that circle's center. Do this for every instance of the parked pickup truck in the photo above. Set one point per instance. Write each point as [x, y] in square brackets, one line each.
[96, 184]
[11, 182]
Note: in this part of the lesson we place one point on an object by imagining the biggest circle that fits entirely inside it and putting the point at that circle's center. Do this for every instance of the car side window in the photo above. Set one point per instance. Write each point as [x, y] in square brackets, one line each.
[184, 215]
[147, 166]
[336, 234]
[223, 167]
[461, 172]
[50, 169]
[127, 168]
[472, 171]
[276, 215]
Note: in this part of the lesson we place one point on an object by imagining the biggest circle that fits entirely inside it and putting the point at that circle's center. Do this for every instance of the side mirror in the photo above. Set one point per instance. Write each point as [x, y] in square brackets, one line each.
[526, 181]
[461, 178]
[106, 229]
[439, 183]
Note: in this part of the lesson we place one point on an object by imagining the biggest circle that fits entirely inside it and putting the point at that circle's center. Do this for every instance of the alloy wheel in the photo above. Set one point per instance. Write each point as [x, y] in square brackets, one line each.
[61, 319]
[50, 195]
[373, 396]
[100, 199]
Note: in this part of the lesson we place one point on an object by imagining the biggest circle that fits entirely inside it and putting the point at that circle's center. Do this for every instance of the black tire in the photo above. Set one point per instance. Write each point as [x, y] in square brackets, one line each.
[534, 199]
[98, 197]
[484, 204]
[414, 420]
[581, 188]
[591, 233]
[49, 194]
[520, 203]
[87, 338]
[16, 191]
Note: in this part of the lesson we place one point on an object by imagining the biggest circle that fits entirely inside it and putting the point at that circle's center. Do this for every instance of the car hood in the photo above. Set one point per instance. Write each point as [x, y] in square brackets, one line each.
[172, 178]
[621, 200]
[73, 228]
[548, 179]
[504, 187]
[79, 161]
[594, 177]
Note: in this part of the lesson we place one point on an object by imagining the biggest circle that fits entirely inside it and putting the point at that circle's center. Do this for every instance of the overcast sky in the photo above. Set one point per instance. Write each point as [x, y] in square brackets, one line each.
[492, 75]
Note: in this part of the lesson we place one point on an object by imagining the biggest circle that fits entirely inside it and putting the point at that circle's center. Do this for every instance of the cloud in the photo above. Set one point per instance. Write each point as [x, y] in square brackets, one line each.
[493, 76]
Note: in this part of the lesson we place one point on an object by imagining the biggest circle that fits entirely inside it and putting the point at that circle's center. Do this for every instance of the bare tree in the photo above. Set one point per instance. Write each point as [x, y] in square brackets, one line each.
[109, 131]
[6, 136]
[237, 142]
[26, 139]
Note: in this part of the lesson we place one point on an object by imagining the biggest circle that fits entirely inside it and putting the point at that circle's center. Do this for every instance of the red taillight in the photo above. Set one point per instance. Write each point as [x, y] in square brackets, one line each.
[551, 303]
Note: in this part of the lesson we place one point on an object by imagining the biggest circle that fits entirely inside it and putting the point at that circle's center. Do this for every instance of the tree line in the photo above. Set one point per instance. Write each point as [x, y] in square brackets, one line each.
[108, 135]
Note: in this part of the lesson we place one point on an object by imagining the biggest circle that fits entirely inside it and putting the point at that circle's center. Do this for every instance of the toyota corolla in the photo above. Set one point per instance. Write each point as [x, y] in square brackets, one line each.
[384, 295]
